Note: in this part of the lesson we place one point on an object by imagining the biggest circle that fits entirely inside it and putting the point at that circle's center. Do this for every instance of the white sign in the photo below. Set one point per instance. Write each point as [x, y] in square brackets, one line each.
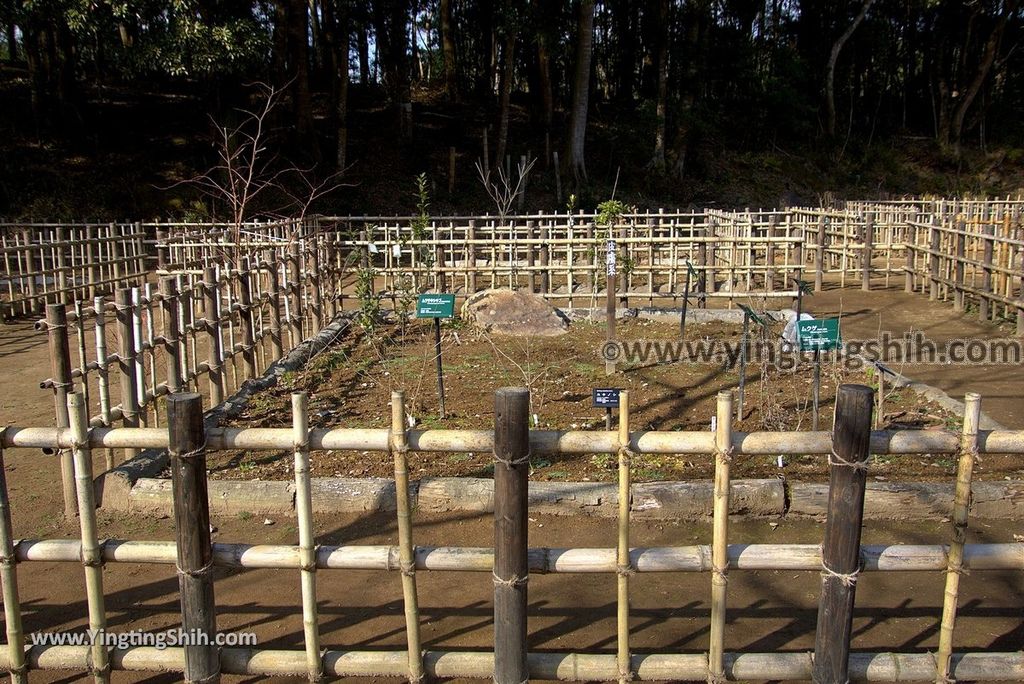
[611, 257]
[372, 248]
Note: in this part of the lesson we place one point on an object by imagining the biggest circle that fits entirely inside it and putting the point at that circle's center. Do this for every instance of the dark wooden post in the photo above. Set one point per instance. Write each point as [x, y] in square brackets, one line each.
[439, 259]
[211, 320]
[958, 266]
[867, 252]
[511, 572]
[30, 269]
[531, 275]
[161, 249]
[933, 262]
[769, 257]
[277, 349]
[984, 310]
[545, 260]
[851, 439]
[126, 363]
[313, 274]
[60, 365]
[702, 261]
[245, 310]
[172, 335]
[186, 446]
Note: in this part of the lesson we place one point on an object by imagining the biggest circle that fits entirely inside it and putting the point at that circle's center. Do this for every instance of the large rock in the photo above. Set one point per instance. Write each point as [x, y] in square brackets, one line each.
[506, 312]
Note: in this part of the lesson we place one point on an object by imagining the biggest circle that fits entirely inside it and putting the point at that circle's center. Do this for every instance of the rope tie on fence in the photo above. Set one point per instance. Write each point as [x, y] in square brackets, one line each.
[626, 570]
[408, 568]
[848, 579]
[195, 452]
[201, 572]
[720, 575]
[726, 454]
[510, 462]
[627, 455]
[21, 670]
[837, 460]
[513, 581]
[715, 678]
[308, 562]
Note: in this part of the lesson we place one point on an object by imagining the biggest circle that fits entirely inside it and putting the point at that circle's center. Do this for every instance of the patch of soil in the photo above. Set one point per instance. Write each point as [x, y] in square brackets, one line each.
[350, 386]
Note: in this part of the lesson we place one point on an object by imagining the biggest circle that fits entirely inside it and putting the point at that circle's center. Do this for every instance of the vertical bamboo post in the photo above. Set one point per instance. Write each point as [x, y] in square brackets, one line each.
[819, 256]
[933, 262]
[531, 274]
[911, 251]
[961, 508]
[720, 536]
[30, 269]
[958, 266]
[840, 563]
[867, 252]
[511, 570]
[1020, 296]
[9, 583]
[406, 550]
[984, 308]
[307, 541]
[211, 322]
[92, 560]
[171, 332]
[623, 567]
[187, 448]
[140, 357]
[60, 364]
[313, 264]
[245, 309]
[769, 257]
[277, 350]
[471, 257]
[294, 280]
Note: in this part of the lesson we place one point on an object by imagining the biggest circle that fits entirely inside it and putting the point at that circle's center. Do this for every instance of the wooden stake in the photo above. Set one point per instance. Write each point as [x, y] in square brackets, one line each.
[622, 565]
[439, 366]
[868, 252]
[92, 560]
[819, 256]
[511, 574]
[407, 553]
[961, 509]
[9, 582]
[307, 539]
[851, 436]
[60, 364]
[276, 331]
[720, 536]
[984, 308]
[172, 342]
[609, 303]
[187, 448]
[451, 170]
[743, 366]
[245, 314]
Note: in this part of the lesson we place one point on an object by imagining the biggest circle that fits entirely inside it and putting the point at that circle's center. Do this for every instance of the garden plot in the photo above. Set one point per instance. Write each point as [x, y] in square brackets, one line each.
[350, 385]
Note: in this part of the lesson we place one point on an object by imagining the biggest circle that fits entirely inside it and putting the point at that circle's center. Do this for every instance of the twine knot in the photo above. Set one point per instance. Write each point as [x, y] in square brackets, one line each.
[513, 581]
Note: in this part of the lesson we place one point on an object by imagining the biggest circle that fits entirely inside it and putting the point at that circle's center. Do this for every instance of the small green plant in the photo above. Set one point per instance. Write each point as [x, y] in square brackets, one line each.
[245, 515]
[603, 461]
[369, 303]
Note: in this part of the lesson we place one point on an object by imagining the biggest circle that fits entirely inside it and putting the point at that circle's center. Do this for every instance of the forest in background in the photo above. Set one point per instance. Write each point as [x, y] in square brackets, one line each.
[150, 107]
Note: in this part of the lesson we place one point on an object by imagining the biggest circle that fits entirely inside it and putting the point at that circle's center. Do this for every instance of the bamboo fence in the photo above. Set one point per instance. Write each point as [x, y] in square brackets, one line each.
[405, 559]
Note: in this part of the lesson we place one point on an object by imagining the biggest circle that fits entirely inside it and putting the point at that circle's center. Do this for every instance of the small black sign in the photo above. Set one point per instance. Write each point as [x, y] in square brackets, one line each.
[606, 397]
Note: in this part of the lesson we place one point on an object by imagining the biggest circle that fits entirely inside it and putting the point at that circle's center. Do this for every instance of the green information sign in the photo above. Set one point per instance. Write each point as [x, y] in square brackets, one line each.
[435, 306]
[819, 334]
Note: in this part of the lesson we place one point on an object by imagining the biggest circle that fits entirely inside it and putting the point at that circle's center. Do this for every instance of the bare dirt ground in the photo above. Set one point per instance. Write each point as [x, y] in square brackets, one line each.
[767, 610]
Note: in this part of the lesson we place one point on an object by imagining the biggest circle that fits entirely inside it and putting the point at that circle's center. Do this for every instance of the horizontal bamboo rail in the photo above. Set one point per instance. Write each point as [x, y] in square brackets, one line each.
[541, 441]
[864, 667]
[694, 558]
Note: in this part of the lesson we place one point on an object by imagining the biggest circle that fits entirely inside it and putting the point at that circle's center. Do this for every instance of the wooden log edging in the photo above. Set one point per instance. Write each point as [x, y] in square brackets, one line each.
[864, 667]
[691, 500]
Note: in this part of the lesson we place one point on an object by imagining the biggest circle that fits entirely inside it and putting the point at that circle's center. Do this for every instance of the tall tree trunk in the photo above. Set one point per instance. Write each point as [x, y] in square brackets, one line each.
[451, 74]
[830, 69]
[363, 47]
[625, 21]
[12, 43]
[658, 162]
[988, 58]
[507, 75]
[298, 48]
[547, 99]
[319, 48]
[336, 35]
[279, 41]
[581, 91]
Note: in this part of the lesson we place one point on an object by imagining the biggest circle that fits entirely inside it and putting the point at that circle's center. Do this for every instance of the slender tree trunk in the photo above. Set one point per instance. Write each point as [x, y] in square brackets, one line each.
[279, 54]
[547, 100]
[658, 162]
[298, 44]
[319, 47]
[830, 69]
[12, 43]
[625, 38]
[507, 75]
[341, 71]
[581, 91]
[451, 74]
[988, 58]
[363, 47]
